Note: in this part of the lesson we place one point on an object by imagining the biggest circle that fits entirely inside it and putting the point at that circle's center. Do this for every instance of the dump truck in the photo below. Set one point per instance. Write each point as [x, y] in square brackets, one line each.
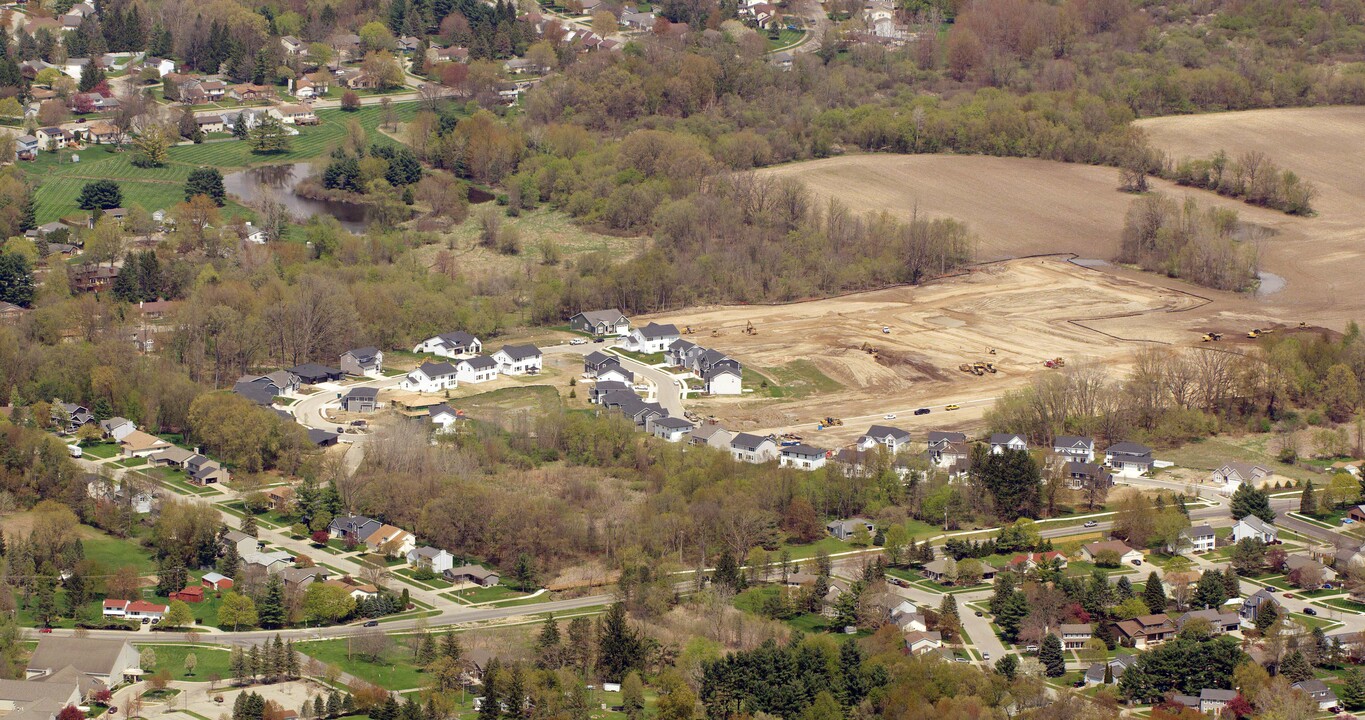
[979, 368]
[965, 367]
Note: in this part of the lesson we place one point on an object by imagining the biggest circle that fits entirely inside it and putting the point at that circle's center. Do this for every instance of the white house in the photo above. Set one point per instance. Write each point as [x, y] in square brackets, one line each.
[670, 429]
[117, 428]
[745, 447]
[1000, 442]
[431, 377]
[1074, 449]
[652, 338]
[1199, 538]
[518, 359]
[433, 559]
[293, 114]
[443, 417]
[477, 369]
[1321, 694]
[367, 361]
[1125, 554]
[847, 529]
[918, 643]
[134, 609]
[892, 438]
[724, 380]
[1254, 527]
[1075, 636]
[451, 344]
[1129, 459]
[802, 457]
[615, 373]
[391, 539]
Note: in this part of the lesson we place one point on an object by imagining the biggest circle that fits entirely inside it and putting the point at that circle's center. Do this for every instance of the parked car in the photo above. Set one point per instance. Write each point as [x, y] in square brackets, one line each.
[578, 341]
[1310, 611]
[922, 411]
[979, 613]
[113, 710]
[985, 656]
[1137, 562]
[952, 407]
[45, 630]
[598, 340]
[1289, 595]
[886, 329]
[75, 450]
[1090, 523]
[889, 416]
[1347, 521]
[1031, 648]
[372, 623]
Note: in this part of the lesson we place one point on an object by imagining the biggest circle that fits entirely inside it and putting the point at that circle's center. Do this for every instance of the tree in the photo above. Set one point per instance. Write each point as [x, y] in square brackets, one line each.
[1340, 392]
[91, 75]
[16, 280]
[207, 182]
[1248, 555]
[101, 195]
[237, 611]
[383, 69]
[1353, 689]
[1209, 592]
[71, 712]
[1307, 501]
[269, 136]
[191, 662]
[147, 658]
[603, 23]
[178, 615]
[1007, 666]
[524, 572]
[1247, 500]
[949, 621]
[153, 145]
[1267, 615]
[1295, 667]
[633, 696]
[350, 101]
[1050, 655]
[1154, 593]
[620, 648]
[270, 610]
[327, 603]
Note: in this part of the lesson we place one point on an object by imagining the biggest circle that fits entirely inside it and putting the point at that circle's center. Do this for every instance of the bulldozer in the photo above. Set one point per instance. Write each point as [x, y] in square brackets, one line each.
[990, 368]
[749, 329]
[979, 368]
[688, 330]
[1213, 337]
[1255, 333]
[833, 422]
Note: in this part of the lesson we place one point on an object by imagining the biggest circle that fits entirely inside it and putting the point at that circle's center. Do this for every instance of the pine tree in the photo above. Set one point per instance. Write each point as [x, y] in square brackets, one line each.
[620, 648]
[319, 707]
[851, 683]
[1353, 689]
[1154, 594]
[1308, 503]
[1105, 633]
[1007, 666]
[727, 573]
[1295, 667]
[492, 691]
[1247, 500]
[254, 660]
[1050, 655]
[450, 647]
[426, 649]
[1208, 593]
[948, 618]
[270, 610]
[1124, 588]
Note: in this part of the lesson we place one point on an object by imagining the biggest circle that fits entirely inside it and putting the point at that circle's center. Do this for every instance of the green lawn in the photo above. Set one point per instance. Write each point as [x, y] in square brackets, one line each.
[114, 553]
[437, 582]
[395, 671]
[101, 450]
[797, 378]
[646, 358]
[785, 39]
[208, 660]
[489, 594]
[1344, 604]
[131, 462]
[174, 478]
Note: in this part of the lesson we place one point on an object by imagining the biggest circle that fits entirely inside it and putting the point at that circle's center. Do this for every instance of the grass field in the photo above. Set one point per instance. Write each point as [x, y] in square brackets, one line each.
[60, 180]
[102, 450]
[395, 671]
[113, 553]
[208, 661]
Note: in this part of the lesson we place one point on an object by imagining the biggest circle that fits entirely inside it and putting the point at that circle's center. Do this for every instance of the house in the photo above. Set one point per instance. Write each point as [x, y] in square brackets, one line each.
[1125, 554]
[281, 383]
[96, 279]
[293, 114]
[652, 338]
[670, 429]
[451, 344]
[1321, 694]
[1000, 442]
[477, 369]
[723, 380]
[241, 542]
[447, 54]
[637, 20]
[601, 322]
[140, 444]
[41, 699]
[846, 529]
[347, 44]
[117, 428]
[367, 361]
[1253, 604]
[595, 361]
[676, 355]
[200, 470]
[281, 498]
[191, 594]
[212, 123]
[391, 540]
[443, 416]
[134, 609]
[711, 435]
[433, 559]
[96, 663]
[603, 388]
[270, 563]
[357, 590]
[1254, 527]
[937, 570]
[1129, 459]
[946, 448]
[298, 578]
[1076, 635]
[613, 372]
[101, 133]
[475, 574]
[1297, 565]
[26, 147]
[1231, 475]
[1219, 622]
[1094, 675]
[249, 92]
[1145, 631]
[50, 138]
[353, 528]
[1199, 538]
[408, 44]
[1027, 561]
[919, 643]
[1357, 513]
[1213, 700]
[802, 457]
[254, 235]
[361, 400]
[1081, 476]
[893, 439]
[1074, 449]
[431, 377]
[293, 45]
[745, 447]
[121, 493]
[905, 616]
[322, 438]
[518, 359]
[216, 581]
[313, 373]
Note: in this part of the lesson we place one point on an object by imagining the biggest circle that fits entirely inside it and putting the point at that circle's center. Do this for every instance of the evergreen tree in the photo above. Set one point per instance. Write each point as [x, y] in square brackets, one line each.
[1012, 615]
[1050, 655]
[547, 643]
[1308, 503]
[1008, 667]
[230, 562]
[16, 282]
[100, 194]
[1295, 667]
[1105, 632]
[91, 75]
[1353, 689]
[425, 651]
[269, 136]
[1209, 592]
[1247, 500]
[239, 129]
[727, 573]
[1232, 585]
[948, 619]
[851, 682]
[492, 691]
[319, 707]
[1124, 588]
[206, 181]
[1154, 594]
[1266, 615]
[620, 648]
[270, 610]
[450, 647]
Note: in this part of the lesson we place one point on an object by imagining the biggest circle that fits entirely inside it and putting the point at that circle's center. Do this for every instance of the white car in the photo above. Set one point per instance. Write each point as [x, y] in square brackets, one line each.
[578, 341]
[886, 329]
[889, 416]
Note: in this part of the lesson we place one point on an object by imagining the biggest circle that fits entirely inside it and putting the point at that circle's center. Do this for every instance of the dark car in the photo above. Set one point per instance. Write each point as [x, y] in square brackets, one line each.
[372, 623]
[1310, 611]
[113, 710]
[922, 411]
[979, 613]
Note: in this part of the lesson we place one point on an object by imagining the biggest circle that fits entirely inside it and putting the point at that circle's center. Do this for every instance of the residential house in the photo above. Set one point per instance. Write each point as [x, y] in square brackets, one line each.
[443, 417]
[638, 20]
[1231, 475]
[280, 383]
[475, 574]
[407, 44]
[451, 344]
[1199, 538]
[367, 361]
[269, 563]
[723, 380]
[27, 146]
[10, 313]
[596, 360]
[433, 559]
[745, 447]
[1253, 604]
[1125, 554]
[346, 46]
[602, 388]
[1297, 566]
[1000, 442]
[937, 570]
[1024, 562]
[892, 438]
[313, 373]
[71, 415]
[946, 448]
[919, 643]
[1145, 630]
[298, 578]
[518, 359]
[846, 529]
[1213, 700]
[250, 92]
[677, 354]
[1254, 527]
[802, 457]
[391, 540]
[353, 528]
[652, 338]
[117, 428]
[162, 66]
[357, 590]
[50, 138]
[517, 66]
[1076, 635]
[211, 123]
[601, 322]
[430, 377]
[293, 114]
[447, 54]
[322, 438]
[141, 444]
[711, 435]
[241, 542]
[293, 45]
[101, 133]
[96, 663]
[96, 279]
[1074, 449]
[121, 493]
[134, 609]
[1095, 674]
[74, 66]
[214, 89]
[216, 581]
[356, 79]
[361, 400]
[1357, 513]
[1321, 694]
[1219, 622]
[1129, 459]
[281, 498]
[477, 369]
[613, 372]
[670, 429]
[1081, 476]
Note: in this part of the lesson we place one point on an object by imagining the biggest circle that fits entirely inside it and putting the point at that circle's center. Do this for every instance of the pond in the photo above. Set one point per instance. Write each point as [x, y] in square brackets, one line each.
[277, 182]
[1270, 283]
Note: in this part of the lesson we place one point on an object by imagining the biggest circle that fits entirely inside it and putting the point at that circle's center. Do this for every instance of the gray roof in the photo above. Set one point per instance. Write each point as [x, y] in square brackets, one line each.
[1199, 531]
[308, 371]
[1258, 524]
[459, 337]
[940, 436]
[474, 571]
[880, 431]
[602, 316]
[672, 422]
[236, 536]
[431, 369]
[803, 450]
[480, 362]
[1128, 448]
[681, 345]
[428, 551]
[1314, 687]
[1004, 438]
[435, 410]
[1072, 441]
[1217, 695]
[93, 656]
[362, 393]
[258, 393]
[596, 357]
[655, 330]
[364, 354]
[318, 437]
[521, 352]
[296, 575]
[747, 441]
[718, 370]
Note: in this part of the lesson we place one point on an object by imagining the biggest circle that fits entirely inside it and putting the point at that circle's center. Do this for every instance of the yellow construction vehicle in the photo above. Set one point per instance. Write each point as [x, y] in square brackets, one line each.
[833, 422]
[990, 368]
[979, 368]
[990, 350]
[965, 367]
[1255, 333]
[1213, 337]
[750, 329]
[688, 330]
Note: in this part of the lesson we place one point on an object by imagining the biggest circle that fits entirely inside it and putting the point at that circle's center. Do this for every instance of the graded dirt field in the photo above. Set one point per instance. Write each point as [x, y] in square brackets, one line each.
[1027, 310]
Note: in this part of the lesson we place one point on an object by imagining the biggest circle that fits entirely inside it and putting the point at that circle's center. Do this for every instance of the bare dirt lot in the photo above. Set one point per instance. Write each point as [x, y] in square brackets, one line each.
[1027, 310]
